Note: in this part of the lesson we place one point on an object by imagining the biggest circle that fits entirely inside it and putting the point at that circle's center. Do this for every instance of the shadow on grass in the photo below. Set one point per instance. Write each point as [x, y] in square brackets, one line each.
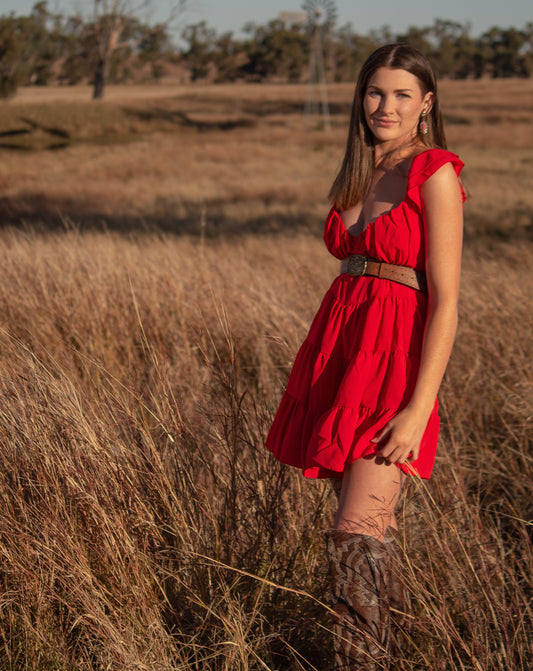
[158, 114]
[252, 111]
[34, 136]
[41, 216]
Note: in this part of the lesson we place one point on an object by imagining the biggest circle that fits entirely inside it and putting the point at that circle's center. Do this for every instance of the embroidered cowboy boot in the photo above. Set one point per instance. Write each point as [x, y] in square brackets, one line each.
[360, 573]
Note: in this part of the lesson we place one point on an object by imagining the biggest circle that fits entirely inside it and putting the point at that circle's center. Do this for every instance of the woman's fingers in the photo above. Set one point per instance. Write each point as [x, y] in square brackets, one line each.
[389, 451]
[381, 435]
[399, 454]
[400, 437]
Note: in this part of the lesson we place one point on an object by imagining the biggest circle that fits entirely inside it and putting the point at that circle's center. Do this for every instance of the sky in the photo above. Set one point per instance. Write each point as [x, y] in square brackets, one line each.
[231, 15]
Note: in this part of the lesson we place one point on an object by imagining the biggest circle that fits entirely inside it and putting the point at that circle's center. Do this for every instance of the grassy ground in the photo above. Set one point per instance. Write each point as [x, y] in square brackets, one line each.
[142, 523]
[242, 154]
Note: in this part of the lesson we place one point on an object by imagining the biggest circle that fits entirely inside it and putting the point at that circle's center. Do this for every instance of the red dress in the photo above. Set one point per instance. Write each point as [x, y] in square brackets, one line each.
[359, 363]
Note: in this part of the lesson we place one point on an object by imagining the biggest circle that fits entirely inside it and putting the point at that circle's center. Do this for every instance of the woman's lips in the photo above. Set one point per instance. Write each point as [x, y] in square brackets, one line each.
[387, 123]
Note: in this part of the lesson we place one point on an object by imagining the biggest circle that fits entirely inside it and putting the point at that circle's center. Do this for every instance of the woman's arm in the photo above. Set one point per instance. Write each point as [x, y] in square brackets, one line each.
[443, 214]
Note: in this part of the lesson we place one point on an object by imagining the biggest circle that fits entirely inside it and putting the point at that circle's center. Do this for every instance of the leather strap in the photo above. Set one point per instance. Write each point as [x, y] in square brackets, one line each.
[358, 265]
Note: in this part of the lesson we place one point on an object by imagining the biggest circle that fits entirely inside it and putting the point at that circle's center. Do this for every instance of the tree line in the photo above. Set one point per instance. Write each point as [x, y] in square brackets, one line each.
[278, 51]
[115, 45]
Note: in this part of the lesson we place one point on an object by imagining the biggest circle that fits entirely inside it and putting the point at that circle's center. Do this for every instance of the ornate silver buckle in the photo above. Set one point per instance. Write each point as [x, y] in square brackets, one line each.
[357, 264]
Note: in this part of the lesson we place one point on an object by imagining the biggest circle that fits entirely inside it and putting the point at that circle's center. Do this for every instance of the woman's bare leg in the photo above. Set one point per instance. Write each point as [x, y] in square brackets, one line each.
[369, 493]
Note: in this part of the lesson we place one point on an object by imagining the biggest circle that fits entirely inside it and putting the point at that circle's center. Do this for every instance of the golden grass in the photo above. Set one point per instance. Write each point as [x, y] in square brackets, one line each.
[143, 525]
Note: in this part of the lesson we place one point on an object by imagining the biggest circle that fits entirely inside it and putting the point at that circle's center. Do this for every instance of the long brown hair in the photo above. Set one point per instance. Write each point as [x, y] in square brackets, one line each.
[355, 175]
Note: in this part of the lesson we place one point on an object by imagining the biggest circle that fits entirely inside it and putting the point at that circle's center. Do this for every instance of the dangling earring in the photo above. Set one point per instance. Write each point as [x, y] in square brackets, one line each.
[424, 129]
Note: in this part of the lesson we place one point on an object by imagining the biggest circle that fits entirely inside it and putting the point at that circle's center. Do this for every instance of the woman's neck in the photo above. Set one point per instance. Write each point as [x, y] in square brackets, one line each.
[388, 154]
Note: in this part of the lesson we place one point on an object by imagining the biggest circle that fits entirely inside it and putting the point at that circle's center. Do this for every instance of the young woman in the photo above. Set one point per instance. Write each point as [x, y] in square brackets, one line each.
[360, 403]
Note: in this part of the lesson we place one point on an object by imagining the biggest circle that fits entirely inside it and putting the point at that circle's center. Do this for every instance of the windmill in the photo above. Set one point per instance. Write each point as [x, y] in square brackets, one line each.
[321, 16]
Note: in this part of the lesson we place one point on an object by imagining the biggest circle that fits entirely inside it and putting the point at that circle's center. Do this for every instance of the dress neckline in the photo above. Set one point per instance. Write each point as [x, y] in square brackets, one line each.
[389, 212]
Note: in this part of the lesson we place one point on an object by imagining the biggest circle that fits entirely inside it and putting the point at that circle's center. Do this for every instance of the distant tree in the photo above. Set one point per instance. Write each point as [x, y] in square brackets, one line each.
[466, 57]
[383, 35]
[450, 54]
[112, 30]
[342, 53]
[154, 47]
[112, 37]
[528, 49]
[349, 51]
[29, 48]
[79, 50]
[276, 51]
[11, 48]
[364, 45]
[508, 52]
[228, 57]
[139, 43]
[417, 37]
[199, 55]
[42, 30]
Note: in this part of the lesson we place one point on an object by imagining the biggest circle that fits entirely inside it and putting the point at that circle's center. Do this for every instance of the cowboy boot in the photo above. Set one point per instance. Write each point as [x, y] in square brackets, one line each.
[359, 571]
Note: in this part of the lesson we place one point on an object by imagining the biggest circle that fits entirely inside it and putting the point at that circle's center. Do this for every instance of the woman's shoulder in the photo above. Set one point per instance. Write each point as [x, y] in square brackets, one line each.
[426, 163]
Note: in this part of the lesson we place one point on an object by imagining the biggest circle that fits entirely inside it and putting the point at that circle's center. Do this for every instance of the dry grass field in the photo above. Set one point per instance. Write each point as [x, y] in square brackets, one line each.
[243, 154]
[143, 526]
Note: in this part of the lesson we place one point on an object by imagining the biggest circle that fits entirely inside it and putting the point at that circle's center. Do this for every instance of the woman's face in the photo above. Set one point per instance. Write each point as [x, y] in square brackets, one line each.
[393, 104]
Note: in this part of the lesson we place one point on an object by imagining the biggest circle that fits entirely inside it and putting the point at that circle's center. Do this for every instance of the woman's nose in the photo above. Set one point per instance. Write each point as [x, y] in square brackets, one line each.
[386, 104]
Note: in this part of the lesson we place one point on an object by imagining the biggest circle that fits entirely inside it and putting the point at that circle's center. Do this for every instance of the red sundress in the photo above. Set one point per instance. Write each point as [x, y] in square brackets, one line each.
[359, 363]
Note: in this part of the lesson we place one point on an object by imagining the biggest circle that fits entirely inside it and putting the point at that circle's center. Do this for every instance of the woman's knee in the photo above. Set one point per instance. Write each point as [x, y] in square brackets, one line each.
[369, 494]
[370, 522]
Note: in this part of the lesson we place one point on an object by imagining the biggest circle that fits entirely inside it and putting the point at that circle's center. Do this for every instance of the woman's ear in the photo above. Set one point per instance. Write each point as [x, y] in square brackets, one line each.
[428, 102]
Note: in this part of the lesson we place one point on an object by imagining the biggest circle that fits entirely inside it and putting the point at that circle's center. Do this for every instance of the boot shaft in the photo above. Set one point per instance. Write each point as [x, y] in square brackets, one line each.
[360, 575]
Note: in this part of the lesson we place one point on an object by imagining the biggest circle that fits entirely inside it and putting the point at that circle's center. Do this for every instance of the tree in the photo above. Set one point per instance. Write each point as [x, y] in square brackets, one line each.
[154, 45]
[417, 37]
[276, 51]
[229, 58]
[29, 47]
[78, 52]
[528, 49]
[453, 51]
[350, 51]
[10, 51]
[115, 36]
[508, 55]
[200, 52]
[111, 19]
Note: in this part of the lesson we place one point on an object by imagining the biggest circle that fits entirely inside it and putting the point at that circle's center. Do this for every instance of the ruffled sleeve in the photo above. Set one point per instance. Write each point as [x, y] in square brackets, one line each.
[426, 164]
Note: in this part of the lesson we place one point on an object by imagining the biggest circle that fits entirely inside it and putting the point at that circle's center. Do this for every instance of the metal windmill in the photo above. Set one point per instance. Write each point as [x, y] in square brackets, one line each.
[321, 16]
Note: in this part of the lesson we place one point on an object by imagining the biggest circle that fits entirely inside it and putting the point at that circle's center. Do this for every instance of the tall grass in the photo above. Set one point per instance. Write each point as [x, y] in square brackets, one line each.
[142, 523]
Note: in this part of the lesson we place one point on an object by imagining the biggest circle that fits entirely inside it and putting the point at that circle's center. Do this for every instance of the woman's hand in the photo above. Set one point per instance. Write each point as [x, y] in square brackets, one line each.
[402, 437]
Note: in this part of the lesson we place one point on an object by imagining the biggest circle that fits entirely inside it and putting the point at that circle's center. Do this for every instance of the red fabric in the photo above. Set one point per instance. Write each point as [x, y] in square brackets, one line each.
[359, 363]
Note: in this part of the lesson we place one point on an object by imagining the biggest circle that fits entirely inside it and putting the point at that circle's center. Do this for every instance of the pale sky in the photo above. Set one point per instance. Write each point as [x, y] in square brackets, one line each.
[364, 15]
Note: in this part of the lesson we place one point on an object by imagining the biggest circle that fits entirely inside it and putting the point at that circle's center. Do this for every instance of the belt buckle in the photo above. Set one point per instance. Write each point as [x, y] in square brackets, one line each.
[357, 264]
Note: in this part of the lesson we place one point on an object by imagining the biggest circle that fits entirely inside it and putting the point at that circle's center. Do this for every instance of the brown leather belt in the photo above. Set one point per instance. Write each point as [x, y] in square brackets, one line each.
[357, 265]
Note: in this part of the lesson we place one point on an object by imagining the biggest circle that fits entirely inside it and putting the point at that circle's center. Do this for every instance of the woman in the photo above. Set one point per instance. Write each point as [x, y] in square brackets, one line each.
[360, 403]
